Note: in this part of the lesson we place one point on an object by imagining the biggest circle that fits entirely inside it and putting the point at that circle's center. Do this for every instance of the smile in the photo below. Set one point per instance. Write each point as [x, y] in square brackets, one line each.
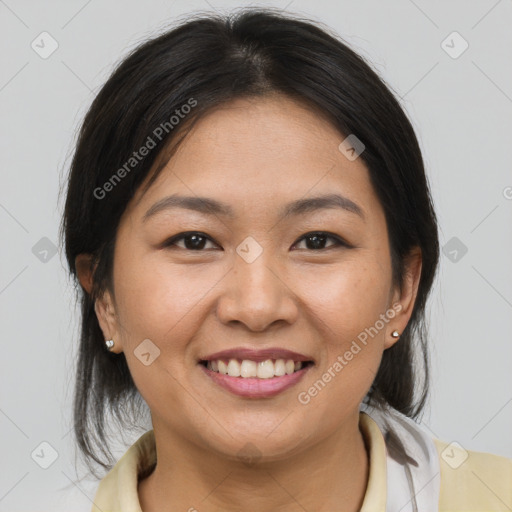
[256, 374]
[247, 369]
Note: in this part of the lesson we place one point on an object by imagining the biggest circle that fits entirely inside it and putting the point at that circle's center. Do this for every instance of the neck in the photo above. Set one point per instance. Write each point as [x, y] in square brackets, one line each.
[329, 476]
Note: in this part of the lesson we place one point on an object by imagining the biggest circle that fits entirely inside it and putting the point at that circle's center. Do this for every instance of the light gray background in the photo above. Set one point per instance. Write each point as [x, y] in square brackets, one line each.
[461, 109]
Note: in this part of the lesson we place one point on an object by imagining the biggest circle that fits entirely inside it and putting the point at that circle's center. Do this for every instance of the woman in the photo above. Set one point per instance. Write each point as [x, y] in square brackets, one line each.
[250, 222]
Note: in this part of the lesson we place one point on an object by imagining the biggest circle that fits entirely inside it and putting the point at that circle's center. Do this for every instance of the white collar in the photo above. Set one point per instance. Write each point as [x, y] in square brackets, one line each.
[412, 462]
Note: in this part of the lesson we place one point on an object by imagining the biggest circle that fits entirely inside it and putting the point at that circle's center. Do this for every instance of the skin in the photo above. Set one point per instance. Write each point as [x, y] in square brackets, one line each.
[255, 155]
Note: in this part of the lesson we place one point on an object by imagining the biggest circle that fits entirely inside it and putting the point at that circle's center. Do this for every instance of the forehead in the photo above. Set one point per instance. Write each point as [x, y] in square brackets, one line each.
[253, 153]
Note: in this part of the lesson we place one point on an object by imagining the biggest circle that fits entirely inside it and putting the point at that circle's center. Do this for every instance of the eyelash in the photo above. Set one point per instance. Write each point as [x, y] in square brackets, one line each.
[172, 241]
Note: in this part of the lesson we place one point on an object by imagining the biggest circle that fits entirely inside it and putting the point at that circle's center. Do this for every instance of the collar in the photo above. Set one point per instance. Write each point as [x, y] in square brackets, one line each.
[118, 489]
[412, 461]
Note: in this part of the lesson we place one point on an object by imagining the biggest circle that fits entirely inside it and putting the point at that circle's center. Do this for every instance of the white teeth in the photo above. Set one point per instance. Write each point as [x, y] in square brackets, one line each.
[248, 369]
[279, 368]
[266, 369]
[251, 369]
[233, 368]
[223, 367]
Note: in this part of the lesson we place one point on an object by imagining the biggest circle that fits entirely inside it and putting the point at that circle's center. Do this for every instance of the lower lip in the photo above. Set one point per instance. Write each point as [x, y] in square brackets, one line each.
[253, 387]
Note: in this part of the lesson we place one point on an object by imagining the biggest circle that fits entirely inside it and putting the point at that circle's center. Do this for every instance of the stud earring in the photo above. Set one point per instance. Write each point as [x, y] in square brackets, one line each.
[395, 334]
[109, 344]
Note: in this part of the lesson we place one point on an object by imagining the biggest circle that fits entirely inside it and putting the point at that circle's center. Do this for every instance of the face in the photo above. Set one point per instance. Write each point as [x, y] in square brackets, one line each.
[195, 287]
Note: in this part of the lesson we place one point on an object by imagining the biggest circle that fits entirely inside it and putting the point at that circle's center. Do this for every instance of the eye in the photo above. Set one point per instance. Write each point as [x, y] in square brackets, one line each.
[196, 241]
[317, 240]
[193, 241]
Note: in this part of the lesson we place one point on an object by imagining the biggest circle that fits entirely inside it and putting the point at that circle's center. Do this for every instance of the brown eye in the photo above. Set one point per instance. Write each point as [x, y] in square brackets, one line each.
[193, 241]
[317, 240]
[196, 241]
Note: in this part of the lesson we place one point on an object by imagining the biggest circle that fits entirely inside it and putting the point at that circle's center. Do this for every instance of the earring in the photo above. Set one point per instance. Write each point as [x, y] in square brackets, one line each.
[395, 334]
[109, 344]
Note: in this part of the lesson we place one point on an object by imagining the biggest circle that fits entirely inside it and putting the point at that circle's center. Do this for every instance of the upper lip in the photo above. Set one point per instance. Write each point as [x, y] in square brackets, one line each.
[257, 355]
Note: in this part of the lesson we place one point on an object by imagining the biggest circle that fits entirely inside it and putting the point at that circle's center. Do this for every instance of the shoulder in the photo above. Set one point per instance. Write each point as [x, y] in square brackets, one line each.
[118, 491]
[473, 481]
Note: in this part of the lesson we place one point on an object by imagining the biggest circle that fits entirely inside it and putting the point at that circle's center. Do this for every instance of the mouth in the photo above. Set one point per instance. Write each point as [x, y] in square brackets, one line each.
[256, 374]
[249, 369]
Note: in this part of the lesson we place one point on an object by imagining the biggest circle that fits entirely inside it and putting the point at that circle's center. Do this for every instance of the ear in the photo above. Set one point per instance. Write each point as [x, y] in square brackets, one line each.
[84, 270]
[403, 300]
[107, 318]
[103, 306]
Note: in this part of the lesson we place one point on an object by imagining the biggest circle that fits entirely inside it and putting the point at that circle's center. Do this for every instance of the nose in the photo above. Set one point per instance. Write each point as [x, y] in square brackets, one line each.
[257, 295]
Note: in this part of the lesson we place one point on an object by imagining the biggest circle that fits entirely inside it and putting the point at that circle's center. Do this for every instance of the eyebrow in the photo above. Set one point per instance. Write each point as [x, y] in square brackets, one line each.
[209, 206]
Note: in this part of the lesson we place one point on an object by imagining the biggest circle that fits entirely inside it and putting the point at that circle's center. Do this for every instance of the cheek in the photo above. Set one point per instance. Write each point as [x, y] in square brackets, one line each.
[156, 302]
[154, 297]
[348, 297]
[347, 305]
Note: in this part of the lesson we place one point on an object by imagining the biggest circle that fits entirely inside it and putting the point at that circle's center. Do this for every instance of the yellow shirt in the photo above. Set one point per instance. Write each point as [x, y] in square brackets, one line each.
[482, 483]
